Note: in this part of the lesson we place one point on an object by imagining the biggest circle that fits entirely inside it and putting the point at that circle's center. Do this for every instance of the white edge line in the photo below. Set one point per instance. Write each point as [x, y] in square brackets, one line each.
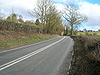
[26, 46]
[4, 66]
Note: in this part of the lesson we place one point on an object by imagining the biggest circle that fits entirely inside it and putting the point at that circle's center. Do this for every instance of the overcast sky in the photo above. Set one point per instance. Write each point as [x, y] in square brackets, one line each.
[90, 8]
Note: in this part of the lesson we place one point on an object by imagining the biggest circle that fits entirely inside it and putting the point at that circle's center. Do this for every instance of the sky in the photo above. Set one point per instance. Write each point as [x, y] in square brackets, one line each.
[90, 8]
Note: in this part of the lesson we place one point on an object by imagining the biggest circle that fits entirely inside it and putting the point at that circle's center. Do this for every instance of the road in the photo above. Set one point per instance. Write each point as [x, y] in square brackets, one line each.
[44, 58]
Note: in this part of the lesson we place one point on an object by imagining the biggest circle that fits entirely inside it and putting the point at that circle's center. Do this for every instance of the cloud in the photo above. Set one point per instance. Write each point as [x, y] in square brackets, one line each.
[20, 7]
[61, 1]
[92, 12]
[59, 7]
[25, 4]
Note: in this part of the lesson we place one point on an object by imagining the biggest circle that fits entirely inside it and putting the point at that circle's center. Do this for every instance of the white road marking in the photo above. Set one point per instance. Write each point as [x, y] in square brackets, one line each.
[4, 66]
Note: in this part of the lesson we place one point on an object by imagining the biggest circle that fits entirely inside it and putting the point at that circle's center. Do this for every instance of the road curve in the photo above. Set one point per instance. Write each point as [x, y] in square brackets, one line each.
[44, 58]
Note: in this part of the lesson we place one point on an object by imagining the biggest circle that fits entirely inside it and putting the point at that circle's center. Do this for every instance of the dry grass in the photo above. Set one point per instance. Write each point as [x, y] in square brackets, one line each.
[12, 39]
[86, 59]
[88, 33]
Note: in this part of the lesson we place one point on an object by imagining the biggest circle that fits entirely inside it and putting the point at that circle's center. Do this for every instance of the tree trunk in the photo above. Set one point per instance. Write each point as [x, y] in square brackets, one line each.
[71, 29]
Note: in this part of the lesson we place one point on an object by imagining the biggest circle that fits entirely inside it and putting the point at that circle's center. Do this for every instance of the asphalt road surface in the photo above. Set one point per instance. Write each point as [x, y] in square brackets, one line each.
[43, 58]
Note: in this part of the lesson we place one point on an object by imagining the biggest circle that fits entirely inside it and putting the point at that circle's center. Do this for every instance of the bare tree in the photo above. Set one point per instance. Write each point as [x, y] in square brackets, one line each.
[53, 20]
[47, 14]
[73, 17]
[41, 10]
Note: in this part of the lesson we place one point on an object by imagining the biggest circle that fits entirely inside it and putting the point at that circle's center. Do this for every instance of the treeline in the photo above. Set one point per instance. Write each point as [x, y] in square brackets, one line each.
[16, 23]
[48, 20]
[48, 15]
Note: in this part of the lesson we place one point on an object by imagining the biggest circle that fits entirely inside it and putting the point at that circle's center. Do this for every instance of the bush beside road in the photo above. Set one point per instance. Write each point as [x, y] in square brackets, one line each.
[86, 58]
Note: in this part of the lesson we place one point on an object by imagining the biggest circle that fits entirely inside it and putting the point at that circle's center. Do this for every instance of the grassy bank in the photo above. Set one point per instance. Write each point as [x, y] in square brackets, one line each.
[86, 58]
[11, 39]
[88, 33]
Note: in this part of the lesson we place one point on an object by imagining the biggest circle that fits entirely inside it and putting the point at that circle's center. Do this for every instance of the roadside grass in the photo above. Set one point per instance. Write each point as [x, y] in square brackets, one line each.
[88, 33]
[13, 39]
[86, 58]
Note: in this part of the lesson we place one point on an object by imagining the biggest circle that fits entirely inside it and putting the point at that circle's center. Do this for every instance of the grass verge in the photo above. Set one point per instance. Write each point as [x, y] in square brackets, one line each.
[11, 39]
[88, 33]
[86, 58]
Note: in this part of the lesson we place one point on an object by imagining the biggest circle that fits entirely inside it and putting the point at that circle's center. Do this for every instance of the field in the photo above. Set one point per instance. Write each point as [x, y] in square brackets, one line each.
[12, 39]
[88, 33]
